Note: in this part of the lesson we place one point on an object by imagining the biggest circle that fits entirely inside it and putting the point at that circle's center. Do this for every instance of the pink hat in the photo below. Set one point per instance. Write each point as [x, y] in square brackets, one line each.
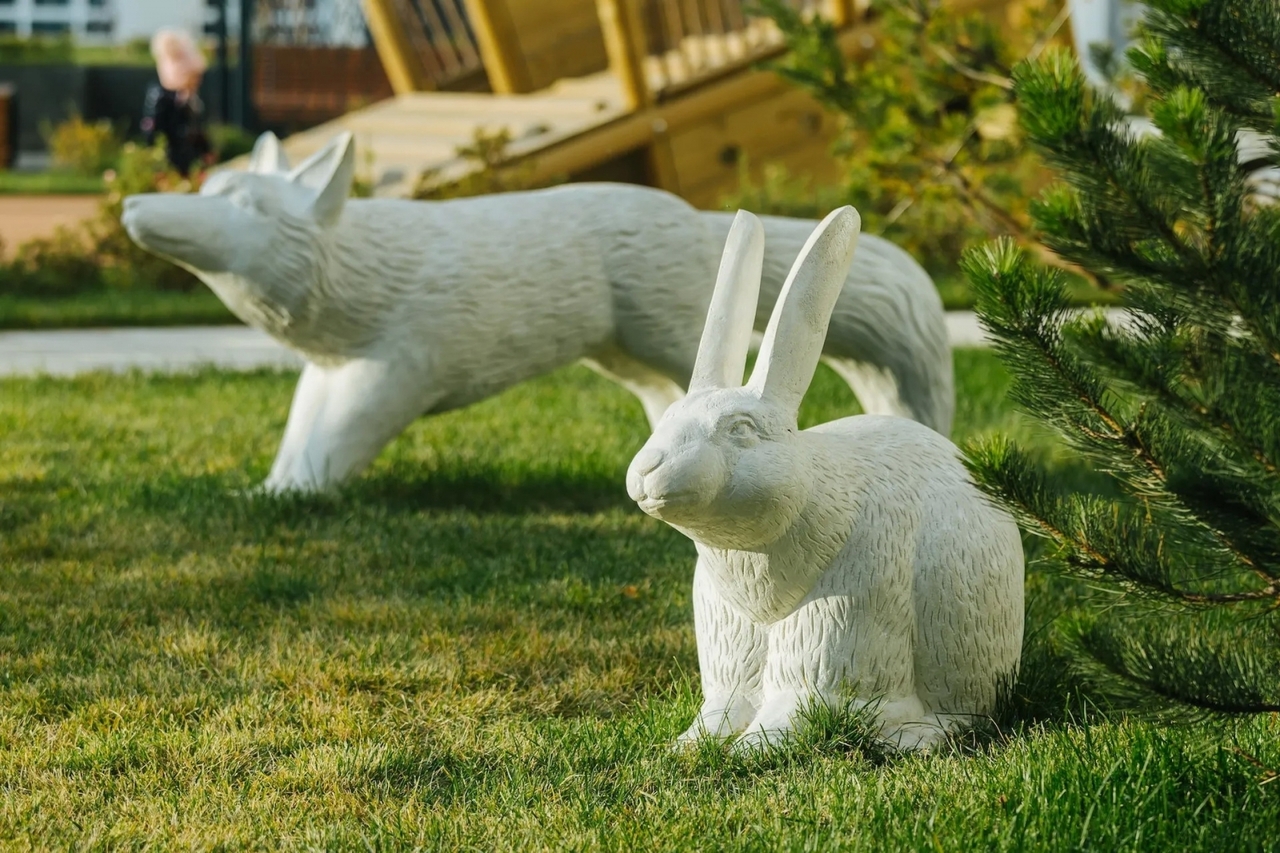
[179, 62]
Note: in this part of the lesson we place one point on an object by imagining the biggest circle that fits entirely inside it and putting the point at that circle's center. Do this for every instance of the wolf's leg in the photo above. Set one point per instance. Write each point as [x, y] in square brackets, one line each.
[308, 398]
[731, 656]
[875, 387]
[655, 391]
[907, 392]
[366, 404]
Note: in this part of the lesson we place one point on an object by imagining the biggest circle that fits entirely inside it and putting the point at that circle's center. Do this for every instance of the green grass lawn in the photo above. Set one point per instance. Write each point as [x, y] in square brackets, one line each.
[114, 308]
[480, 645]
[48, 183]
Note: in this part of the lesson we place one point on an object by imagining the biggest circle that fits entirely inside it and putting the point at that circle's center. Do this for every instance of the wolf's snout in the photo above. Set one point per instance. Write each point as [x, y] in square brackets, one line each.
[646, 461]
[133, 218]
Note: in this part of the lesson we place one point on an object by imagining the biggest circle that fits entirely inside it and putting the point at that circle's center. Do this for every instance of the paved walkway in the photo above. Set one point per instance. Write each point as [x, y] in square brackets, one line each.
[26, 217]
[66, 353]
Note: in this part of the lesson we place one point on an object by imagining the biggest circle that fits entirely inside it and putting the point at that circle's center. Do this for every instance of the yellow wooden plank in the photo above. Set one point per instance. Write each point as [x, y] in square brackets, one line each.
[500, 48]
[624, 39]
[712, 149]
[530, 106]
[402, 64]
[558, 39]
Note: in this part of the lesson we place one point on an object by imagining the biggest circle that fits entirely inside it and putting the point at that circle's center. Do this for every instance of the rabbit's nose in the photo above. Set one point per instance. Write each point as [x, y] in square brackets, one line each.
[646, 461]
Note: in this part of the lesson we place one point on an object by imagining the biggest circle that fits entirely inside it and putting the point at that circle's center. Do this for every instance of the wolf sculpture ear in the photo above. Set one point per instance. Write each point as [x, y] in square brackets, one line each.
[329, 173]
[268, 157]
[797, 330]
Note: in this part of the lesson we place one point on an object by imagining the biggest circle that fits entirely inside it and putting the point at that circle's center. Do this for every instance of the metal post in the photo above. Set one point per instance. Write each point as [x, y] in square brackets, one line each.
[224, 70]
[245, 117]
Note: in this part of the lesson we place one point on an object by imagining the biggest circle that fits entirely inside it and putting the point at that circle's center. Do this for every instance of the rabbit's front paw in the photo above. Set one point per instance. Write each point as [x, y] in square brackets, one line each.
[719, 721]
[922, 736]
[774, 724]
[760, 738]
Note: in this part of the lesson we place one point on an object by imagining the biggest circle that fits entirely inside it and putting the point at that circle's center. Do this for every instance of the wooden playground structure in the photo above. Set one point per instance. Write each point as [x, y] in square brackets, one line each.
[659, 92]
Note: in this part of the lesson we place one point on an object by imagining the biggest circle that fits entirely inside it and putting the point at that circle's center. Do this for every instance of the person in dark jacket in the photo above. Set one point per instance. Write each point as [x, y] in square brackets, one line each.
[173, 108]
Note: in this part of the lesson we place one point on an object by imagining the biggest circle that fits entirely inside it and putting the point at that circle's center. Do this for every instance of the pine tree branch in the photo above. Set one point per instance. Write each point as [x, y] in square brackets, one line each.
[1091, 561]
[967, 71]
[1210, 199]
[1226, 48]
[1139, 450]
[1269, 774]
[1046, 37]
[1123, 363]
[1144, 453]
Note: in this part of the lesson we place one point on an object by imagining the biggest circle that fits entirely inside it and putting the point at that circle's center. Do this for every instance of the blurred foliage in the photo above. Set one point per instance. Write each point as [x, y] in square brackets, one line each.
[492, 170]
[230, 141]
[62, 50]
[49, 183]
[81, 147]
[98, 254]
[15, 50]
[930, 146]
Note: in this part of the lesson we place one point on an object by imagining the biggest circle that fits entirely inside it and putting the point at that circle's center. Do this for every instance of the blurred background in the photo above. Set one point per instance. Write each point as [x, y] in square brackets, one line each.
[901, 107]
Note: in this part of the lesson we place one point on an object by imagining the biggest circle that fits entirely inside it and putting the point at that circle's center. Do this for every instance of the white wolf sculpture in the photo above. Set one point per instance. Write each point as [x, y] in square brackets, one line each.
[856, 554]
[403, 308]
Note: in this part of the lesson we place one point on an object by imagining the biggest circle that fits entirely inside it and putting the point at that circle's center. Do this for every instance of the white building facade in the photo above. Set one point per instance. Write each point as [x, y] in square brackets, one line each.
[332, 22]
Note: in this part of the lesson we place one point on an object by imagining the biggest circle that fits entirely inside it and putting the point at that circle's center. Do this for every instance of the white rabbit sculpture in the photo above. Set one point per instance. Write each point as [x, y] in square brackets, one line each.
[854, 555]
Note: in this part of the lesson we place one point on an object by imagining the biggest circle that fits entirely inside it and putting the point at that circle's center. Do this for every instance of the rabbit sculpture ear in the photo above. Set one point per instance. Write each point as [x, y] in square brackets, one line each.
[329, 173]
[726, 336]
[797, 330]
[268, 157]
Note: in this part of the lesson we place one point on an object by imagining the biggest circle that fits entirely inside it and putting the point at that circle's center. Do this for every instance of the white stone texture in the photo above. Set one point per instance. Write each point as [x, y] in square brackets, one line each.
[856, 556]
[404, 308]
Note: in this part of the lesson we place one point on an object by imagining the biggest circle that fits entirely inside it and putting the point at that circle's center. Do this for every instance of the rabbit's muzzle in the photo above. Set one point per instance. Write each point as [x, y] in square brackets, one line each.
[645, 463]
[667, 485]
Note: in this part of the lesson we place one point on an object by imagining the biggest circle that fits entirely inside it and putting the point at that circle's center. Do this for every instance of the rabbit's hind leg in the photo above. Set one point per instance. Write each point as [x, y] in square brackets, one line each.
[731, 655]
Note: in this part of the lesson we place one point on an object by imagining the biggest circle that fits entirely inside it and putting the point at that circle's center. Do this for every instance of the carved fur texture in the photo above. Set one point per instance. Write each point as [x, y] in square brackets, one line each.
[854, 556]
[405, 308]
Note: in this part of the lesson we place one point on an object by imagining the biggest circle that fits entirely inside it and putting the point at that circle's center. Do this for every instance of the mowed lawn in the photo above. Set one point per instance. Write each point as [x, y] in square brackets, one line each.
[480, 645]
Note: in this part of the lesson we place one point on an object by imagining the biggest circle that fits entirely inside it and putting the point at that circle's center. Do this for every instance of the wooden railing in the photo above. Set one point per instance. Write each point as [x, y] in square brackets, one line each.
[424, 44]
[658, 47]
[300, 86]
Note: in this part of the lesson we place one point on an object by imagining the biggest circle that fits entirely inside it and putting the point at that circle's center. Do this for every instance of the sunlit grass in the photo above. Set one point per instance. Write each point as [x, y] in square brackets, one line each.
[480, 645]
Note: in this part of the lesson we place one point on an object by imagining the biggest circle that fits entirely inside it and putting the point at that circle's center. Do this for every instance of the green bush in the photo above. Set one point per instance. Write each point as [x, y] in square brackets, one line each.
[56, 266]
[84, 148]
[35, 51]
[99, 255]
[230, 141]
[930, 147]
[493, 172]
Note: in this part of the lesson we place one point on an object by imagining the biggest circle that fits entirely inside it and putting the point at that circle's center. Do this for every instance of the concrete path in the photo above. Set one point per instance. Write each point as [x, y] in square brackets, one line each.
[26, 217]
[66, 353]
